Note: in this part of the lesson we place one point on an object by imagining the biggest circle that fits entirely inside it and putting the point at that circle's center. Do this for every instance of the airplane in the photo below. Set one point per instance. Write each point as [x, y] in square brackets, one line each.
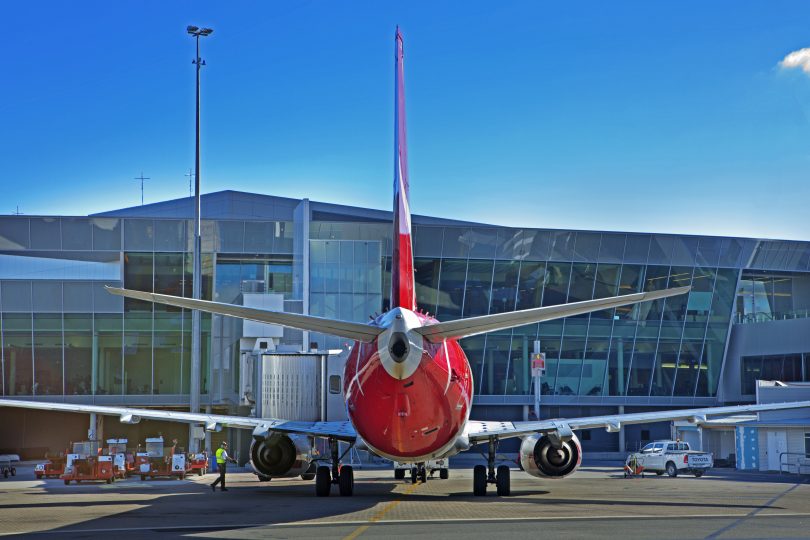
[407, 382]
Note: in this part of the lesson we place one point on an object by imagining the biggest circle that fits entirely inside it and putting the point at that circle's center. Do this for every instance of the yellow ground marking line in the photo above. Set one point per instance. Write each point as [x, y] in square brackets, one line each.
[379, 515]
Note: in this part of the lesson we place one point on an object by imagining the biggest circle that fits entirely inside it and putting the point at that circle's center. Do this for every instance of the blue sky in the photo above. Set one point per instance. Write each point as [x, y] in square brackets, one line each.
[639, 116]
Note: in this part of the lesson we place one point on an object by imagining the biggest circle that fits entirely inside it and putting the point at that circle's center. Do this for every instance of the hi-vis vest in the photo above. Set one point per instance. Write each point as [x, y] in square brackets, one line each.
[220, 459]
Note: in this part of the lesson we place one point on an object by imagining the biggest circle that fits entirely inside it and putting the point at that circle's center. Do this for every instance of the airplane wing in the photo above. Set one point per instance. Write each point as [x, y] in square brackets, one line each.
[478, 431]
[351, 330]
[342, 430]
[472, 326]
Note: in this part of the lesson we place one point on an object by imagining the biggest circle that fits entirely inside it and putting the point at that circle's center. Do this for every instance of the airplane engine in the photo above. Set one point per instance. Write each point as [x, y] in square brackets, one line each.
[539, 458]
[281, 456]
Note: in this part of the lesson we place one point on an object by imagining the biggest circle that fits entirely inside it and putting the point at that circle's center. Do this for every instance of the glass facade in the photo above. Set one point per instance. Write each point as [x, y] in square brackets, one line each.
[62, 334]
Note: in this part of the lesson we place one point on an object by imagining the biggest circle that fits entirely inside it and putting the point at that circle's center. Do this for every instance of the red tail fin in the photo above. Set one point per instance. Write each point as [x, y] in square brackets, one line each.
[402, 284]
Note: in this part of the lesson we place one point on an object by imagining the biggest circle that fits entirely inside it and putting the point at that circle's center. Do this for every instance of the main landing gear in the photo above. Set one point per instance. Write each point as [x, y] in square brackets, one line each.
[483, 475]
[343, 475]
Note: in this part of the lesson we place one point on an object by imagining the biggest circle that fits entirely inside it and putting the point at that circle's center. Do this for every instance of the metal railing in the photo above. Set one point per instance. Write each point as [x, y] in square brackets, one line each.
[798, 460]
[767, 316]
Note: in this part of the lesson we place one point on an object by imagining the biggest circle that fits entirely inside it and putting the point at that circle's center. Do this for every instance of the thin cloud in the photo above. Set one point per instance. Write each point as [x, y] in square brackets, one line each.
[797, 59]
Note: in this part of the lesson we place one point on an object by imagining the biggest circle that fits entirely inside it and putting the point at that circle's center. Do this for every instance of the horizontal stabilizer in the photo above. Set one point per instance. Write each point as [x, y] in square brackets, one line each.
[472, 326]
[350, 330]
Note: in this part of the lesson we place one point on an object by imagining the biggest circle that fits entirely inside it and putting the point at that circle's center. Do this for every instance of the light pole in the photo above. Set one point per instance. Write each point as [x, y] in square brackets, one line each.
[194, 390]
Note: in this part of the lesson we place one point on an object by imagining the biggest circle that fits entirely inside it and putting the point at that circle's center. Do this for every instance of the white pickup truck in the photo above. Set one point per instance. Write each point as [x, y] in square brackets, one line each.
[672, 457]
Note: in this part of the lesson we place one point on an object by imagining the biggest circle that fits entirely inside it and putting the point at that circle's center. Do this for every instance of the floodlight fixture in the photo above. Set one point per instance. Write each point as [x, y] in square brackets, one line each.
[191, 29]
[206, 31]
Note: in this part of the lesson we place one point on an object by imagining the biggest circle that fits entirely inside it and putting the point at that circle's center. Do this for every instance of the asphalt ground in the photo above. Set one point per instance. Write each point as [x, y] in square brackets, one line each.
[596, 502]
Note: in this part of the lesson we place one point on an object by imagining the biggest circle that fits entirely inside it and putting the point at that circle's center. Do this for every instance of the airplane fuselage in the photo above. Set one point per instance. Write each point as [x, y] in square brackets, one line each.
[408, 399]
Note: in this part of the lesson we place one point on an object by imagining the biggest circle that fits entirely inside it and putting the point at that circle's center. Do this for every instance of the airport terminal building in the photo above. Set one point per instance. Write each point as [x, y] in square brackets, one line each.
[64, 338]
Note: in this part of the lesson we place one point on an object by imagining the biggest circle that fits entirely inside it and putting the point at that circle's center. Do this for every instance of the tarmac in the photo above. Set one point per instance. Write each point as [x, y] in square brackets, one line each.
[596, 502]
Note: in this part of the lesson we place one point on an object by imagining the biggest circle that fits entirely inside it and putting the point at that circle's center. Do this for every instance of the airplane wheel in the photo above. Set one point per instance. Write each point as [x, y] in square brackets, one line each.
[5, 473]
[346, 481]
[399, 474]
[310, 472]
[423, 474]
[479, 481]
[414, 474]
[503, 482]
[263, 478]
[323, 481]
[444, 474]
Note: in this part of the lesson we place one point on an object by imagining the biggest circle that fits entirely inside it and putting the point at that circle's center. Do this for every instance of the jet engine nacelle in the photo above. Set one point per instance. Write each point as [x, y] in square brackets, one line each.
[281, 456]
[540, 458]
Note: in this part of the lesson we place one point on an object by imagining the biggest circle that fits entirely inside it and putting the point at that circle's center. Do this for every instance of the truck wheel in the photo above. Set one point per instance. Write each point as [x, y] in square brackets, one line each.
[67, 482]
[199, 472]
[672, 470]
[143, 477]
[444, 474]
[5, 473]
[13, 471]
[399, 474]
[698, 474]
[109, 480]
[659, 473]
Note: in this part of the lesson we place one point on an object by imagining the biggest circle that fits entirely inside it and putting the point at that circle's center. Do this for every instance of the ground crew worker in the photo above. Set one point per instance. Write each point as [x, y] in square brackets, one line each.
[222, 459]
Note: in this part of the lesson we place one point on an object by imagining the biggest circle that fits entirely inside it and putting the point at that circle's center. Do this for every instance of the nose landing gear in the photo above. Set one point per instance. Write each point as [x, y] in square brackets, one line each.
[419, 472]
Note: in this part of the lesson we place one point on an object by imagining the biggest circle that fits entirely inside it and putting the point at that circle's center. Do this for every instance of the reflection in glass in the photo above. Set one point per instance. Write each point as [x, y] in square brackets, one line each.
[570, 366]
[641, 368]
[496, 361]
[108, 358]
[47, 354]
[504, 286]
[593, 367]
[530, 286]
[18, 369]
[474, 349]
[451, 289]
[478, 288]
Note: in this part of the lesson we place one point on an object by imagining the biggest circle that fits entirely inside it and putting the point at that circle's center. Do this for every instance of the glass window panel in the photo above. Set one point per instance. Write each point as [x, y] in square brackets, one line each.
[637, 248]
[711, 361]
[611, 250]
[137, 361]
[537, 245]
[47, 296]
[772, 367]
[451, 288]
[483, 242]
[606, 284]
[259, 236]
[139, 234]
[456, 242]
[586, 247]
[105, 302]
[106, 234]
[78, 296]
[519, 379]
[621, 351]
[708, 252]
[723, 299]
[16, 296]
[108, 354]
[170, 235]
[562, 245]
[655, 279]
[427, 241]
[684, 250]
[77, 234]
[478, 289]
[630, 281]
[14, 233]
[138, 277]
[593, 367]
[168, 348]
[641, 368]
[751, 371]
[504, 286]
[570, 366]
[666, 359]
[530, 285]
[283, 240]
[45, 233]
[78, 354]
[661, 249]
[427, 282]
[674, 313]
[497, 359]
[168, 277]
[792, 368]
[688, 367]
[510, 244]
[18, 358]
[231, 235]
[730, 251]
[474, 349]
[47, 355]
[556, 279]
